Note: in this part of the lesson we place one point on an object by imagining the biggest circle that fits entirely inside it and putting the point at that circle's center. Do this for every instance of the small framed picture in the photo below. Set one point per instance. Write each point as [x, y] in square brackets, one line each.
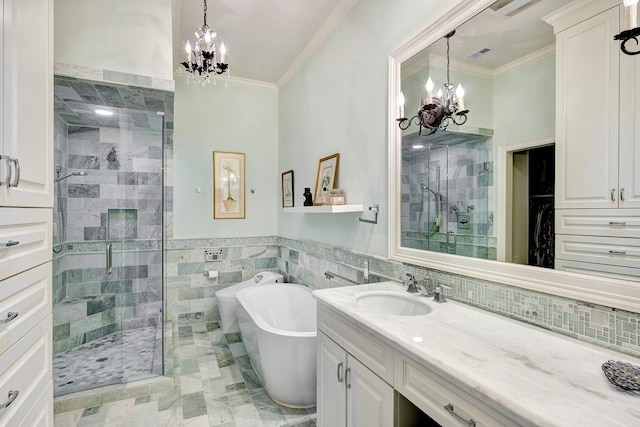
[228, 185]
[327, 175]
[287, 189]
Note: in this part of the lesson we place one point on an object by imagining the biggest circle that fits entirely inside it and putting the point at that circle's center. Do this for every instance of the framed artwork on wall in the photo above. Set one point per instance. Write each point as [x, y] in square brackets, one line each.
[327, 175]
[228, 185]
[287, 189]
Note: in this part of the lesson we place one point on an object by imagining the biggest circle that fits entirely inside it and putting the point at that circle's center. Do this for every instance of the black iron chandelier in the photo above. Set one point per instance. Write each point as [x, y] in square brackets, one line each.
[633, 31]
[202, 62]
[438, 111]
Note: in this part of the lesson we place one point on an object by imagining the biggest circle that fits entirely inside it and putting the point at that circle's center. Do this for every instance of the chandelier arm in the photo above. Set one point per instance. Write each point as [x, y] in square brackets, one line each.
[623, 46]
[463, 119]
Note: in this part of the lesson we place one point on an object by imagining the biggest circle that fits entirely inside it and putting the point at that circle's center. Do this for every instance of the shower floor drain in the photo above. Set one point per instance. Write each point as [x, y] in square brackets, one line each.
[102, 359]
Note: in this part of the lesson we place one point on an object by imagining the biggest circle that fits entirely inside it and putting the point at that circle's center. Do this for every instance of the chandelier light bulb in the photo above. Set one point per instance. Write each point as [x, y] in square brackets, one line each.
[401, 105]
[223, 52]
[429, 87]
[460, 96]
[188, 49]
[628, 3]
[440, 93]
[631, 14]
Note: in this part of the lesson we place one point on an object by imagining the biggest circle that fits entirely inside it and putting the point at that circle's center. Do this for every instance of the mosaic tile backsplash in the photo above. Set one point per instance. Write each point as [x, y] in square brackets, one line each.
[191, 296]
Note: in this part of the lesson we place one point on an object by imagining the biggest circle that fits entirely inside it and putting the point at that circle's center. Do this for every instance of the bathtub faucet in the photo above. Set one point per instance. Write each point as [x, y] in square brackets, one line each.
[330, 275]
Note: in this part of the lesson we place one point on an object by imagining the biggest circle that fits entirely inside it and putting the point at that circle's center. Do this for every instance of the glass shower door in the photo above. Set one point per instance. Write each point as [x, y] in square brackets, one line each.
[108, 271]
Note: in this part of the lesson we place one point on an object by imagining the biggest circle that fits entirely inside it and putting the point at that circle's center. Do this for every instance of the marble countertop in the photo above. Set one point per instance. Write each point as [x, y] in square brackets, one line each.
[536, 377]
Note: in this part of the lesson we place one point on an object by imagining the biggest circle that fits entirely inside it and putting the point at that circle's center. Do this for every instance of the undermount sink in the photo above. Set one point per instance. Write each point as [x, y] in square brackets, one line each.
[393, 303]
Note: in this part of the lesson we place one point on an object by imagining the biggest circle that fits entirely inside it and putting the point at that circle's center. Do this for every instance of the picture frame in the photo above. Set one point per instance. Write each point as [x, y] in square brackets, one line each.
[229, 201]
[327, 175]
[287, 189]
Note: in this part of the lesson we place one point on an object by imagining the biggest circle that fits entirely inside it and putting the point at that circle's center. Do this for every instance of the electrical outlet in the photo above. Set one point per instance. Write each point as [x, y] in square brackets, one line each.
[213, 255]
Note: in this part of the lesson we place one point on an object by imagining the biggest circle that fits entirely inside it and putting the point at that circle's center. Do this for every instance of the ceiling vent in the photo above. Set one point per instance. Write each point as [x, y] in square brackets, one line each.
[510, 7]
[479, 53]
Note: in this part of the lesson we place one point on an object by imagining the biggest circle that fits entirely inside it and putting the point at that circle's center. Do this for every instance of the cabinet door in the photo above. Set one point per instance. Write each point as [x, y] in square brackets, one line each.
[369, 398]
[587, 82]
[28, 102]
[332, 399]
[629, 176]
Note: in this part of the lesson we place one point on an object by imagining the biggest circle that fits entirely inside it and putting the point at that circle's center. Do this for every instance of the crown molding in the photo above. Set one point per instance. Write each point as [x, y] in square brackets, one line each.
[525, 60]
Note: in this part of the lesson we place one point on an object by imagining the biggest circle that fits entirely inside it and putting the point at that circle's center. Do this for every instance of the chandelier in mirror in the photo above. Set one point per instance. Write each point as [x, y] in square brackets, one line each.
[202, 61]
[440, 110]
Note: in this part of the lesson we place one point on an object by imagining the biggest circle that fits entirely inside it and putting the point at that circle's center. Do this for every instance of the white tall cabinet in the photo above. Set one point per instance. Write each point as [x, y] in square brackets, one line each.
[597, 142]
[26, 200]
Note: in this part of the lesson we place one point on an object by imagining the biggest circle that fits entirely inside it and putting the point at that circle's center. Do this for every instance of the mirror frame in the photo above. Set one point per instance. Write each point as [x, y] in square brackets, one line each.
[604, 291]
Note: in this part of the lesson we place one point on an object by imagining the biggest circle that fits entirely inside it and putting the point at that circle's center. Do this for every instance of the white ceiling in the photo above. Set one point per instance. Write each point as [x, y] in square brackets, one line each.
[264, 38]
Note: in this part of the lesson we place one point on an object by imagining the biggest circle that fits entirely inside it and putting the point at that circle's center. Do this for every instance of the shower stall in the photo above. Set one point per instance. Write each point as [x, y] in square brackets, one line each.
[446, 193]
[108, 234]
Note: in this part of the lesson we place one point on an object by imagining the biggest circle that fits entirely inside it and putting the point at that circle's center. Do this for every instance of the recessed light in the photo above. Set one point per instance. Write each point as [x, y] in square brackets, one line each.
[418, 146]
[104, 112]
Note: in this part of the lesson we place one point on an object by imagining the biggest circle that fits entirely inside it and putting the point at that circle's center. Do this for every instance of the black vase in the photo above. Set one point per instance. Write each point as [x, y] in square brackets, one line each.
[308, 197]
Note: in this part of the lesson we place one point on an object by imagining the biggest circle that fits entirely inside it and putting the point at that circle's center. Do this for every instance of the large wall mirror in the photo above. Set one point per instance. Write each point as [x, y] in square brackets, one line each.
[478, 198]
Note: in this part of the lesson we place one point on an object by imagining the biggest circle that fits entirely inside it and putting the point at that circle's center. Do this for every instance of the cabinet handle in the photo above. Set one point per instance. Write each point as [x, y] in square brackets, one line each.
[622, 194]
[9, 244]
[469, 423]
[7, 180]
[618, 252]
[613, 194]
[12, 396]
[348, 377]
[340, 368]
[620, 223]
[109, 258]
[16, 180]
[10, 316]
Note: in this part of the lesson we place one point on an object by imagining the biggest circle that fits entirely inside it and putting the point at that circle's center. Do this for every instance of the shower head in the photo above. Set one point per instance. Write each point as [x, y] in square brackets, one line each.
[81, 173]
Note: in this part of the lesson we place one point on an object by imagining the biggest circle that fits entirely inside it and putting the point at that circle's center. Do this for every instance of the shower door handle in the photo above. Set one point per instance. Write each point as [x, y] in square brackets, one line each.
[109, 258]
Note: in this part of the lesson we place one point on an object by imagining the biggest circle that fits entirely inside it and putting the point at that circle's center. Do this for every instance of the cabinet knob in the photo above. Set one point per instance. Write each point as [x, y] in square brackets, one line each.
[9, 244]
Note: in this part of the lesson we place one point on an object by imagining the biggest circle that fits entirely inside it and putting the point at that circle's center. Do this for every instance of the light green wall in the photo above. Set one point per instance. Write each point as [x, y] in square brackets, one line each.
[337, 102]
[224, 118]
[130, 36]
[525, 102]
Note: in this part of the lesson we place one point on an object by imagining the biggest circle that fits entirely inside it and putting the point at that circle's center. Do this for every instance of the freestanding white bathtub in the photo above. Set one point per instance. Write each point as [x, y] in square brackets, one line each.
[278, 327]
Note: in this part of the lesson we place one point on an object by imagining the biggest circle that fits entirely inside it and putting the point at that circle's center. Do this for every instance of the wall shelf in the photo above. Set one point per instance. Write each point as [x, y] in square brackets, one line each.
[325, 209]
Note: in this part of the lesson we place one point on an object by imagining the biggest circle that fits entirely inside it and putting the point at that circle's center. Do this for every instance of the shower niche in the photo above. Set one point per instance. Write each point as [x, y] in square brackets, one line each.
[447, 188]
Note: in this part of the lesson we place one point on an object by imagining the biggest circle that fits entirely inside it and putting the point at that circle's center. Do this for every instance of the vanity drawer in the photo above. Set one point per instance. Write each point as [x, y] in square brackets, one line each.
[25, 368]
[603, 270]
[613, 251]
[370, 351]
[25, 300]
[598, 222]
[24, 239]
[432, 394]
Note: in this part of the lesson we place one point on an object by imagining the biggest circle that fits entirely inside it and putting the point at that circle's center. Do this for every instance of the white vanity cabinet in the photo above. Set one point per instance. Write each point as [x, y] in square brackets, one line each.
[597, 110]
[26, 125]
[349, 394]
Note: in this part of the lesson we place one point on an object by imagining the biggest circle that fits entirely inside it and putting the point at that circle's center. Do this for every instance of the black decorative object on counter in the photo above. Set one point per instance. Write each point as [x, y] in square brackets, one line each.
[308, 197]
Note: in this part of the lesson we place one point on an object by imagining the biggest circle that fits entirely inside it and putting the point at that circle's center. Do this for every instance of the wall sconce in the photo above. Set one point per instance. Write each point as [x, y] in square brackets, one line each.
[631, 23]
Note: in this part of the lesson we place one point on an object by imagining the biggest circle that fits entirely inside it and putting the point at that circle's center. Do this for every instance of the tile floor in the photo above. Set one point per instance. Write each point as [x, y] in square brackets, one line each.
[214, 385]
[113, 359]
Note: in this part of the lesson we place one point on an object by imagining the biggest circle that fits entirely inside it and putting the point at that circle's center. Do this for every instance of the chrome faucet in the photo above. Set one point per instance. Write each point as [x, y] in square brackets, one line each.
[439, 293]
[412, 284]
